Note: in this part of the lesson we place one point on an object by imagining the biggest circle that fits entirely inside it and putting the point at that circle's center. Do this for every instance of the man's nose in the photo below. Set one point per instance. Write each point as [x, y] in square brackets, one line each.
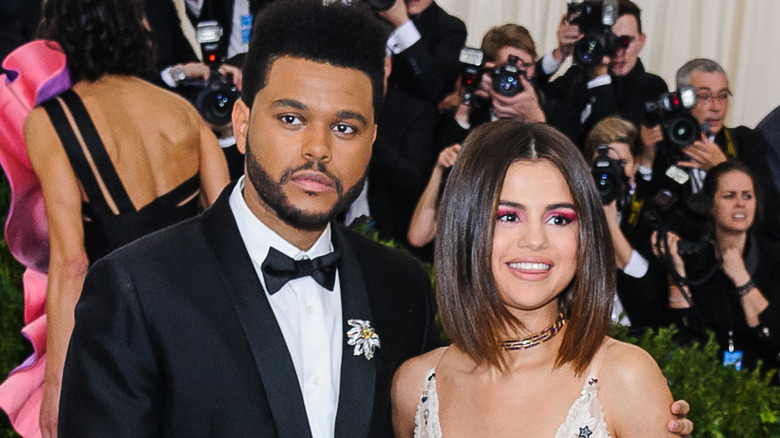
[317, 144]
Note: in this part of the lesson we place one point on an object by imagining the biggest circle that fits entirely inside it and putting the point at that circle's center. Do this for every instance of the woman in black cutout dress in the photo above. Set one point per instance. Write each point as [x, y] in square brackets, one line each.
[143, 166]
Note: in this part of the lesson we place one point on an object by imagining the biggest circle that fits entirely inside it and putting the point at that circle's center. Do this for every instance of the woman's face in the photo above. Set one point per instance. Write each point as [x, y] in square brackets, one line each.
[536, 237]
[734, 205]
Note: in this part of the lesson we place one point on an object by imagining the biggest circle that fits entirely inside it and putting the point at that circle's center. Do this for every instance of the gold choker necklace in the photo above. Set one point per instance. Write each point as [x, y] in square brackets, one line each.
[536, 338]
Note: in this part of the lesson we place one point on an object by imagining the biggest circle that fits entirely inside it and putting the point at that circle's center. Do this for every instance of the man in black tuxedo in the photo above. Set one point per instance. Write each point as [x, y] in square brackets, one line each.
[262, 317]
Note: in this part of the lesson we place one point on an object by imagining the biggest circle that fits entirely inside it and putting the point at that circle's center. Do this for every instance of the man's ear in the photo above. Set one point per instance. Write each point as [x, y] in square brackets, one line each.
[240, 119]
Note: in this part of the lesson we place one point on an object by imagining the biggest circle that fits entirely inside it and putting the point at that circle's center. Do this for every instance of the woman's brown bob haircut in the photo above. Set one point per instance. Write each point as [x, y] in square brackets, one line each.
[470, 306]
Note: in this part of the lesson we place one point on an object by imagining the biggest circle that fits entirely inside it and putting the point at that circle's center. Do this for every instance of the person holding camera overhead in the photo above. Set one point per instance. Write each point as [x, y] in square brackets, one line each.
[609, 79]
[117, 157]
[732, 288]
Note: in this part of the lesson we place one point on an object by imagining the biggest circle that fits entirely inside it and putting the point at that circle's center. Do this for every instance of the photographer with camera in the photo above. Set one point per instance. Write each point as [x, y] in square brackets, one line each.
[199, 47]
[607, 77]
[733, 288]
[691, 148]
[498, 82]
[615, 150]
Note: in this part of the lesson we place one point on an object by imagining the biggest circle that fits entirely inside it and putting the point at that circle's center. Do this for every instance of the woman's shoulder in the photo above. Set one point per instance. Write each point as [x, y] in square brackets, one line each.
[419, 366]
[632, 389]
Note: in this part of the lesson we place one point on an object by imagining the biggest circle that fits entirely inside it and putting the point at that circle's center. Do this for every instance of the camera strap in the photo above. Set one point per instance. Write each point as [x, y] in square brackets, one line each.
[636, 209]
[731, 150]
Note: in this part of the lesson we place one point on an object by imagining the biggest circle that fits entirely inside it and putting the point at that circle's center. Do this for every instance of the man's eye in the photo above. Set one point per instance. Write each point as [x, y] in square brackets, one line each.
[343, 128]
[290, 119]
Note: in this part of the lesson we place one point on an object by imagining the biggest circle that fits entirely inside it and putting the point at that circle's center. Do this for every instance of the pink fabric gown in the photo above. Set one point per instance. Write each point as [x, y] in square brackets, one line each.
[38, 73]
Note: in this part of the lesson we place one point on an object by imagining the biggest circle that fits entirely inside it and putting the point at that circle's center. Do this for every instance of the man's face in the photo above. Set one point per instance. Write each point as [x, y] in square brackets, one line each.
[625, 59]
[416, 7]
[712, 98]
[526, 60]
[312, 127]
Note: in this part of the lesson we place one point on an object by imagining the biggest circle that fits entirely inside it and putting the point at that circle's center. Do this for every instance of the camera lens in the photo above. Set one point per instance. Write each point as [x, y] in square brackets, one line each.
[589, 51]
[215, 102]
[683, 131]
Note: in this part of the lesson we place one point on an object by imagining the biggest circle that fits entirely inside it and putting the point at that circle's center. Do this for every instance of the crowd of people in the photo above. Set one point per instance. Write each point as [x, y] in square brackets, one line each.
[551, 203]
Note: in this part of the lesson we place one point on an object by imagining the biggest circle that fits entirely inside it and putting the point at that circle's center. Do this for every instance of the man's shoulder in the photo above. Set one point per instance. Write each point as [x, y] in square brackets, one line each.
[379, 260]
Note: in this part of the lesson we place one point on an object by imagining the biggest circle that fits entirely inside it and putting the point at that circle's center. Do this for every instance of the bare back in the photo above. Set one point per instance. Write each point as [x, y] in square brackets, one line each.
[154, 138]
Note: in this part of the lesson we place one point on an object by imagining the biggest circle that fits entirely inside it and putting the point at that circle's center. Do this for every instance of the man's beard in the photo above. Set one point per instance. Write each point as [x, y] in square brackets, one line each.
[271, 193]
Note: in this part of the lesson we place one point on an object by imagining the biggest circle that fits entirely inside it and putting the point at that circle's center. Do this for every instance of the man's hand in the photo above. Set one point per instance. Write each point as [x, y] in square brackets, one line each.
[568, 34]
[397, 14]
[522, 106]
[681, 425]
[705, 154]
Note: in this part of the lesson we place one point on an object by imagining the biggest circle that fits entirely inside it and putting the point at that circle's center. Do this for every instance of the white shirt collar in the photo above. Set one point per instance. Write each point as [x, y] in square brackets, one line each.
[258, 237]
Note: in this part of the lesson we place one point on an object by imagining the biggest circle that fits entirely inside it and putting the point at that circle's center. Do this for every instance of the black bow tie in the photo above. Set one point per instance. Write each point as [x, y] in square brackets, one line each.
[278, 269]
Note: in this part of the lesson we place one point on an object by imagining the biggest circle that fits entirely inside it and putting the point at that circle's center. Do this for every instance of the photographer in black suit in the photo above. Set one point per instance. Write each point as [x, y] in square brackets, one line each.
[617, 85]
[261, 317]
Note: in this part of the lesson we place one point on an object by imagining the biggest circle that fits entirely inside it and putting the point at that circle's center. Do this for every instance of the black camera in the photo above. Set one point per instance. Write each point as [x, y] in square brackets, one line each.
[608, 174]
[506, 78]
[215, 100]
[380, 5]
[671, 111]
[595, 19]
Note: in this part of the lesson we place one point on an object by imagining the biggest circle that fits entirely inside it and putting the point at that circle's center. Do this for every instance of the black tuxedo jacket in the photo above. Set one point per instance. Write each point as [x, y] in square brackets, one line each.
[174, 336]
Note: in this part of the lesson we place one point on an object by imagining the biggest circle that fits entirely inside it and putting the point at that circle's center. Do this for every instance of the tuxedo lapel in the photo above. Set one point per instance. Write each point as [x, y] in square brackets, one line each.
[358, 374]
[261, 330]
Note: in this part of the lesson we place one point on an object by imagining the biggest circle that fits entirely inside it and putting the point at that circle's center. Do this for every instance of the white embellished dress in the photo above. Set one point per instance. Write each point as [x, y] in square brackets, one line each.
[585, 418]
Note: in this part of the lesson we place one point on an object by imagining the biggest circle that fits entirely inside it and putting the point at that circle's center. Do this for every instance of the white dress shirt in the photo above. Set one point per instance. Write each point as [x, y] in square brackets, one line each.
[308, 314]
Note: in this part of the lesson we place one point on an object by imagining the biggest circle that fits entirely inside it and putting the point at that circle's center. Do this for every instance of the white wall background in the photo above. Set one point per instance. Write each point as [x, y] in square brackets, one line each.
[742, 35]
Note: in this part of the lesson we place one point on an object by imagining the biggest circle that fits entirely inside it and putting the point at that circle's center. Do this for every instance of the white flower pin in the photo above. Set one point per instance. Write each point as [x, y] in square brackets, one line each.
[363, 337]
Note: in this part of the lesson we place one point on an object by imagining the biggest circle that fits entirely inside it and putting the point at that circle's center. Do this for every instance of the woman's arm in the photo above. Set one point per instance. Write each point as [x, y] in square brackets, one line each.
[634, 393]
[68, 259]
[407, 387]
[422, 228]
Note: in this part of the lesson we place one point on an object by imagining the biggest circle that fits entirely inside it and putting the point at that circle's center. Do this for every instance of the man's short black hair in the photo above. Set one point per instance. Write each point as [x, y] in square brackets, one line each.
[349, 36]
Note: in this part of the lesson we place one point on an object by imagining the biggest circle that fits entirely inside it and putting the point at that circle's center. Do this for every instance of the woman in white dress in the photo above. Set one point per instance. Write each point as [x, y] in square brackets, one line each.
[526, 275]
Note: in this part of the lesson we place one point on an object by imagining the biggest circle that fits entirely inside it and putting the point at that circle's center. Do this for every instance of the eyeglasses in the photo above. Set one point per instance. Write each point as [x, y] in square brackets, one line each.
[720, 98]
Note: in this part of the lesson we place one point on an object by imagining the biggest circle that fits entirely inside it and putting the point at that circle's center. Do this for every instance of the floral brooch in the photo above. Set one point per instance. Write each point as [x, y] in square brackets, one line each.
[363, 337]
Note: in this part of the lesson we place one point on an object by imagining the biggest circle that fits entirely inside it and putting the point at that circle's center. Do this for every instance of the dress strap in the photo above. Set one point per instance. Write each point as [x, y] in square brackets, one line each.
[88, 148]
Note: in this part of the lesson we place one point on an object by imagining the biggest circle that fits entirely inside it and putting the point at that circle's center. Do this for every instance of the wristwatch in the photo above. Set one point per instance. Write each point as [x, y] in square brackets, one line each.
[178, 75]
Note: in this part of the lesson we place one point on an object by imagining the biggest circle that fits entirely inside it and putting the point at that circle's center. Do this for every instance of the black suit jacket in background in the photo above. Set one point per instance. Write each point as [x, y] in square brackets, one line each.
[174, 336]
[428, 69]
[401, 162]
[625, 96]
